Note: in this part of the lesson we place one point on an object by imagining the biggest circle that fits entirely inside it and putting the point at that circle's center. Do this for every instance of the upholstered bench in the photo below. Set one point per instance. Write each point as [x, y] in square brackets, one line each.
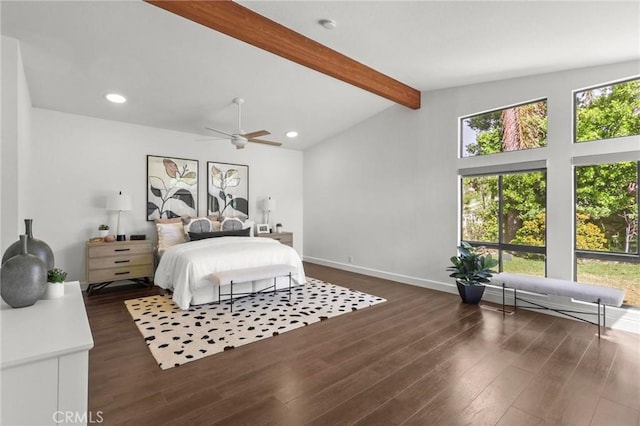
[235, 276]
[591, 293]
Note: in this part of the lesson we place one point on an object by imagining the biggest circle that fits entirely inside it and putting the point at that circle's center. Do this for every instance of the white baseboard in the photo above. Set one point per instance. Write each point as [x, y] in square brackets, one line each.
[626, 319]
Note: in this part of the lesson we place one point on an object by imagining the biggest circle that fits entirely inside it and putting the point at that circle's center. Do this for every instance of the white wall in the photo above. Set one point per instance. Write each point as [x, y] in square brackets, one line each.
[386, 192]
[77, 161]
[15, 117]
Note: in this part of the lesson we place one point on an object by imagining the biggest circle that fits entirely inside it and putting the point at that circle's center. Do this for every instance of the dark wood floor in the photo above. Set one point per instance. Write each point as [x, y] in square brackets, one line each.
[421, 358]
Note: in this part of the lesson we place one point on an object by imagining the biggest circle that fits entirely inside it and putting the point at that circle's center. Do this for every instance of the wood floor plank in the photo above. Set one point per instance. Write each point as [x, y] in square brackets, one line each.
[446, 404]
[552, 377]
[609, 413]
[574, 406]
[496, 399]
[451, 358]
[420, 358]
[623, 383]
[515, 417]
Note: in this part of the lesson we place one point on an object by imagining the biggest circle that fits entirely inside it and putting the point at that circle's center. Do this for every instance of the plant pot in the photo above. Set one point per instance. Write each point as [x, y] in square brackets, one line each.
[470, 294]
[103, 233]
[54, 291]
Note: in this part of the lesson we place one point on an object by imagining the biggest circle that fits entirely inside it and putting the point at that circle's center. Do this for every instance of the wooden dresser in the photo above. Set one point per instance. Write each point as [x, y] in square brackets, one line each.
[116, 261]
[285, 238]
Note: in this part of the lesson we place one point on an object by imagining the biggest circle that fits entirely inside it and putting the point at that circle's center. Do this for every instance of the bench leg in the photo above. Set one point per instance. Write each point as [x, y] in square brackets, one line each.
[231, 295]
[598, 318]
[515, 300]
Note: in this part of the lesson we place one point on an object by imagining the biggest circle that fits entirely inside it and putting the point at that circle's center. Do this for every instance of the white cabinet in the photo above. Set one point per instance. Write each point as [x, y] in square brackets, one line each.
[45, 358]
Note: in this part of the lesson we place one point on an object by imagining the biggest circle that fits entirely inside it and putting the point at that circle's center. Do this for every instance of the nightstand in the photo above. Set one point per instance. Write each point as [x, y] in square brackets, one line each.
[117, 261]
[285, 238]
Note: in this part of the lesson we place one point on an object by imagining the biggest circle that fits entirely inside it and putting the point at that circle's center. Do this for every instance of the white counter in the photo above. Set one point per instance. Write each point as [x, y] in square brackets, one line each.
[45, 359]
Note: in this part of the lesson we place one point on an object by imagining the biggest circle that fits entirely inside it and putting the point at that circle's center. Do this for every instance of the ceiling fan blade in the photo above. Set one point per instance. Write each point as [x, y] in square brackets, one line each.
[219, 131]
[256, 134]
[265, 142]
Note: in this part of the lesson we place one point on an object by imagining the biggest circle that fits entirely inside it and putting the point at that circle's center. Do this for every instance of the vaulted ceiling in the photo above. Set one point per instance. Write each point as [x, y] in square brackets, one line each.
[182, 76]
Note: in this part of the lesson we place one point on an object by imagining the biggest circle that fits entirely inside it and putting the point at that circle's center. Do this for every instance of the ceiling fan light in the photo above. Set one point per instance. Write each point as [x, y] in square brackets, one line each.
[291, 134]
[239, 143]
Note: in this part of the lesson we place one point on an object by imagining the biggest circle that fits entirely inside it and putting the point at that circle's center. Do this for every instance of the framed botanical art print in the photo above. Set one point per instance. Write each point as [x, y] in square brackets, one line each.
[228, 190]
[172, 187]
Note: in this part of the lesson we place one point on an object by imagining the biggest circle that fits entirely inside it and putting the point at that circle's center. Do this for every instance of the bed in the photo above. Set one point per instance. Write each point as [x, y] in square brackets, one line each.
[185, 268]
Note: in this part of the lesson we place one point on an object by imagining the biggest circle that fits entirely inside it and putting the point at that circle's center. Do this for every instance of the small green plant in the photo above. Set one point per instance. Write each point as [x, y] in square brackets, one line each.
[56, 275]
[103, 227]
[471, 267]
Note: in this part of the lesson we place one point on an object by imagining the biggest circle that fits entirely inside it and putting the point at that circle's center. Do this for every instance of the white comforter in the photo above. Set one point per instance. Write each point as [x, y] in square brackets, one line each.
[184, 268]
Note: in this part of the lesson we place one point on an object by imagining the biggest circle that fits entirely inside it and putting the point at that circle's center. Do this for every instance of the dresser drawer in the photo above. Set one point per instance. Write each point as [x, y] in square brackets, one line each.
[119, 261]
[106, 249]
[121, 273]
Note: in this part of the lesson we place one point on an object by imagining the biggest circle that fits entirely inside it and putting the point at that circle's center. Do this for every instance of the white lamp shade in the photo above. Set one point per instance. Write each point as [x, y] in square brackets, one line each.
[269, 205]
[119, 202]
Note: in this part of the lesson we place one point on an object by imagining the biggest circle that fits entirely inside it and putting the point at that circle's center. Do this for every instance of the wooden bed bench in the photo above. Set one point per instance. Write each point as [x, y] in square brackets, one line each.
[591, 293]
[244, 275]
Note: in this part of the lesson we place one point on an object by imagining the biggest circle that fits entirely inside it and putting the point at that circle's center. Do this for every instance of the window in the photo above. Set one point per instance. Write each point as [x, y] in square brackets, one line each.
[510, 129]
[507, 214]
[607, 241]
[607, 112]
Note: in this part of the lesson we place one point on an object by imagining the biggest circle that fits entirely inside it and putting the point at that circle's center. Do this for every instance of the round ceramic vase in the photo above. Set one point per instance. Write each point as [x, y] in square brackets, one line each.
[34, 246]
[23, 278]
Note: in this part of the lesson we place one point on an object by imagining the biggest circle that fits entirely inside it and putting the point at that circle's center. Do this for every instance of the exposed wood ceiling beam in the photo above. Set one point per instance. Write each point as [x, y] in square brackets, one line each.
[244, 24]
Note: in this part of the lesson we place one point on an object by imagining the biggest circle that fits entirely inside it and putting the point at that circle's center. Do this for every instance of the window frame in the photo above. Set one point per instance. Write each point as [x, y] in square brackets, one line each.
[462, 118]
[596, 254]
[501, 246]
[574, 103]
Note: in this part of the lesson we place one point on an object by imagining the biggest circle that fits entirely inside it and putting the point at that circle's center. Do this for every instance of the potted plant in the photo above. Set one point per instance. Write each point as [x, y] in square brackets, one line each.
[278, 227]
[55, 283]
[103, 230]
[471, 269]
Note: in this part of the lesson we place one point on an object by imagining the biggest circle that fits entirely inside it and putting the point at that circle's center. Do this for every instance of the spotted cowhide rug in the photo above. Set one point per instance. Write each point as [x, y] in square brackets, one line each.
[176, 337]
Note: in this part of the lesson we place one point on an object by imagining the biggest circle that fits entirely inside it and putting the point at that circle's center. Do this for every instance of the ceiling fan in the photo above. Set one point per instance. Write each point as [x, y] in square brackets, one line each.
[240, 138]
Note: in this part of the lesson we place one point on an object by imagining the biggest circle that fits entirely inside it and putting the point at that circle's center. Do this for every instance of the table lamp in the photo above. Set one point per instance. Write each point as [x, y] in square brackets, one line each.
[269, 206]
[120, 203]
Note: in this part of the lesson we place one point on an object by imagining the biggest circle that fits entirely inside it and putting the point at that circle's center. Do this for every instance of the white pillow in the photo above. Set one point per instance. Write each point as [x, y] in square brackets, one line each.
[170, 234]
[249, 224]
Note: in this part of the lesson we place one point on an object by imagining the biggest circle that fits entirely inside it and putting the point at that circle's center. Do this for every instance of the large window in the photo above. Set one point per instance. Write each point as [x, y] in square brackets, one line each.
[607, 241]
[510, 129]
[507, 214]
[607, 112]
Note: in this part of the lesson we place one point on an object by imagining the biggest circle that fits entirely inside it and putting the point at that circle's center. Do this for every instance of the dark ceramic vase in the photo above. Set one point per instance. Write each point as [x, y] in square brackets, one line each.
[23, 278]
[470, 294]
[34, 246]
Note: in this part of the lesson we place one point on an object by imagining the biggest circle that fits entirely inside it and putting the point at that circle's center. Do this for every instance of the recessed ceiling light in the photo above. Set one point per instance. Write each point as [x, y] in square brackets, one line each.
[292, 134]
[115, 98]
[329, 24]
